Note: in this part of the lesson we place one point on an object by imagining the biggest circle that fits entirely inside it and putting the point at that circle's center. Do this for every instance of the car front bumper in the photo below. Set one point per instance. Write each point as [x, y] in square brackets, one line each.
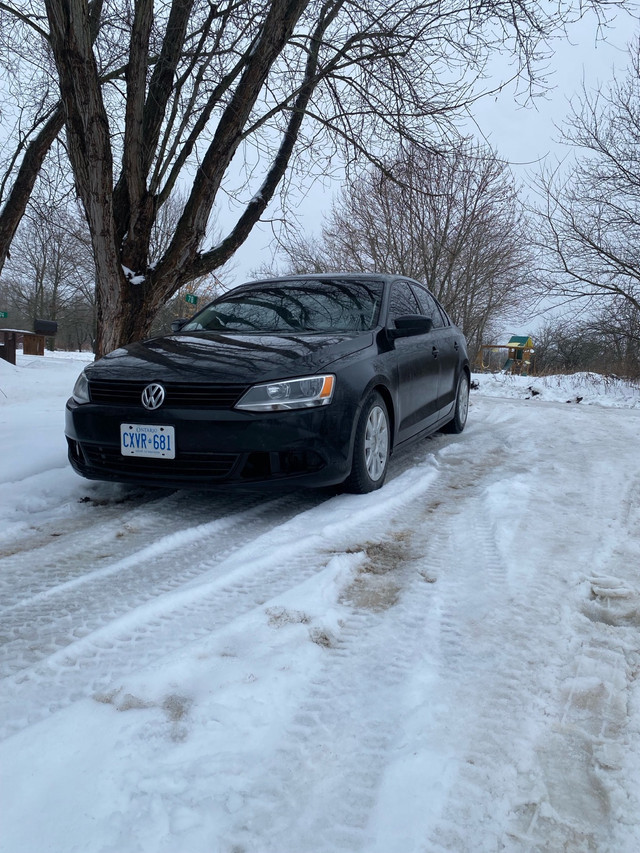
[306, 447]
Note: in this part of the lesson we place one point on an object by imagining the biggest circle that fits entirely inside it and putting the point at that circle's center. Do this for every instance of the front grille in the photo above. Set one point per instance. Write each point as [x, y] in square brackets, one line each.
[180, 395]
[189, 466]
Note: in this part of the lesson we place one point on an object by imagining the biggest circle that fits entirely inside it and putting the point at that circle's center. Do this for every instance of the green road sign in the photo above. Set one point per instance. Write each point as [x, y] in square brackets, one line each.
[4, 315]
[191, 299]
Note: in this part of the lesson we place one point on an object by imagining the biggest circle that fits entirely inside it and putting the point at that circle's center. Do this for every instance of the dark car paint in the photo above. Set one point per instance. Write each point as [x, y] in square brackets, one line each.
[406, 371]
[230, 358]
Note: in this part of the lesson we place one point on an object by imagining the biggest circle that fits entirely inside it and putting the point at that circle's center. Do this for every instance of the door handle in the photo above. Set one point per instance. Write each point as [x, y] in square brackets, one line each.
[435, 352]
[456, 346]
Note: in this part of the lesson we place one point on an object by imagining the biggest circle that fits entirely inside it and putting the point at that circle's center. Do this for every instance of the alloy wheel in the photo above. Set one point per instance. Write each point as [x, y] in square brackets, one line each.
[376, 443]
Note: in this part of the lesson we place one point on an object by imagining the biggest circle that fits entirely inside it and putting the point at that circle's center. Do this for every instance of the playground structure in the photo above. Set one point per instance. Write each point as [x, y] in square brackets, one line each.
[519, 354]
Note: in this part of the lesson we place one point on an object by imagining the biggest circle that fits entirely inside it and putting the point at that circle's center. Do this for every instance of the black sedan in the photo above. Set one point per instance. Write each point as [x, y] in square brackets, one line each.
[308, 380]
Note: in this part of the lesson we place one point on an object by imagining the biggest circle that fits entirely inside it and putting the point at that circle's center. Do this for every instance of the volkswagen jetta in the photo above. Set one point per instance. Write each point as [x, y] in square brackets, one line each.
[310, 380]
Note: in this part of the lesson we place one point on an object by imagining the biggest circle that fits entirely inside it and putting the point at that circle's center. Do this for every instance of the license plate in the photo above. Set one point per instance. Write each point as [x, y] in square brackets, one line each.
[155, 442]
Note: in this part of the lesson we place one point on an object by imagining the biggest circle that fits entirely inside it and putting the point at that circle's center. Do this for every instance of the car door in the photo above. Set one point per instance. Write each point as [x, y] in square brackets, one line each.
[444, 338]
[417, 367]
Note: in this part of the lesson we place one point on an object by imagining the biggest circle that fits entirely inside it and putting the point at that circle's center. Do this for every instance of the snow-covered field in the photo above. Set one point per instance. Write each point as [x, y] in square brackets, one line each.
[447, 665]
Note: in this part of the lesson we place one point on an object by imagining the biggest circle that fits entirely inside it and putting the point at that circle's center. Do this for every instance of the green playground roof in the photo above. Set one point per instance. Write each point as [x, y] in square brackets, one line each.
[520, 341]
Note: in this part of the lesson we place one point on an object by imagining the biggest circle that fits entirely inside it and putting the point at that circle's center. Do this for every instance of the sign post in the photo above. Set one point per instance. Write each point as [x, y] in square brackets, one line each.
[191, 298]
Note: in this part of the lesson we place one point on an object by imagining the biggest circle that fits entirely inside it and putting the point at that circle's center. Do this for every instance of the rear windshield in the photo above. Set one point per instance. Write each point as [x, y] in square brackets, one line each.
[331, 304]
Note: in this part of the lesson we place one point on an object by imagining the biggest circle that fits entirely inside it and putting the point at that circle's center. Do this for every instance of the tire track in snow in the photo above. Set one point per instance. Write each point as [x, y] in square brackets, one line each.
[325, 776]
[325, 772]
[65, 549]
[528, 776]
[472, 601]
[487, 636]
[36, 524]
[129, 643]
[580, 799]
[58, 616]
[227, 589]
[334, 754]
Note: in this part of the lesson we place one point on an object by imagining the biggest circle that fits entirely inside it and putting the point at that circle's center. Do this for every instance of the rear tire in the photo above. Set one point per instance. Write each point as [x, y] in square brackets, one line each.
[371, 447]
[457, 423]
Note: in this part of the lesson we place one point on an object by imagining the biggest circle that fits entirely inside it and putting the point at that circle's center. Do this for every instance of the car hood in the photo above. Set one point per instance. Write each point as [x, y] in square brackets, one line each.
[234, 358]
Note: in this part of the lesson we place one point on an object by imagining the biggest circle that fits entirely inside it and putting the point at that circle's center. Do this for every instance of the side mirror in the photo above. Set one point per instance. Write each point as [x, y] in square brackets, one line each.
[176, 325]
[409, 325]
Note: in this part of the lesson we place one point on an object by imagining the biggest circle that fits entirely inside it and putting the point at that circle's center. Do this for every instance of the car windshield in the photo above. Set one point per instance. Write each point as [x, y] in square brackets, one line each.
[324, 305]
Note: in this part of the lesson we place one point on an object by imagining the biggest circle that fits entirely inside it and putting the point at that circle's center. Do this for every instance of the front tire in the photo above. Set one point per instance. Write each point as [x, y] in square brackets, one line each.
[457, 424]
[371, 448]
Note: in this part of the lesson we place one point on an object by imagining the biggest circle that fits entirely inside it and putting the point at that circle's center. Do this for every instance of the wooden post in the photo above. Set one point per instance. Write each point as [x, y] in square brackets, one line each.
[8, 345]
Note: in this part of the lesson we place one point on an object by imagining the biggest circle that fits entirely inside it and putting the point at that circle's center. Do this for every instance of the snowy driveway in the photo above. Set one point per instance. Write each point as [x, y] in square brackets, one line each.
[446, 665]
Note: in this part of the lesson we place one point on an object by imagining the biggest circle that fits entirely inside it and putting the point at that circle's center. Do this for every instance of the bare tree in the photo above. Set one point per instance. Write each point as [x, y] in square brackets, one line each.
[607, 342]
[618, 325]
[36, 144]
[452, 220]
[51, 272]
[158, 94]
[590, 217]
[32, 113]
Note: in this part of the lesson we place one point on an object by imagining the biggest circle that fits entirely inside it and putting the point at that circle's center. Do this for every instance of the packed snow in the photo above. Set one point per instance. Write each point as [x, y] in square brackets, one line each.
[446, 665]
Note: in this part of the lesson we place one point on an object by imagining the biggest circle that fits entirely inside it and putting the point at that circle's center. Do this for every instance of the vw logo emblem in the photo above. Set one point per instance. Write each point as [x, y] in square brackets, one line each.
[153, 396]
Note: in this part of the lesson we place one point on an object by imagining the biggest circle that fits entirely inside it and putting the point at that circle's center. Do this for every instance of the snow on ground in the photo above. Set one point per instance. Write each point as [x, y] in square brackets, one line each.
[446, 665]
[585, 388]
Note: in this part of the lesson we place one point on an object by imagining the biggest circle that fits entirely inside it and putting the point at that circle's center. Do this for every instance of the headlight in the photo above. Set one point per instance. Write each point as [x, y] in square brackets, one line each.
[81, 389]
[290, 394]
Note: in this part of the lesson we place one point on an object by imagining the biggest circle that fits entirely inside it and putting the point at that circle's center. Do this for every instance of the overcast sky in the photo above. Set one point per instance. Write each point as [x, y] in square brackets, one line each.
[524, 135]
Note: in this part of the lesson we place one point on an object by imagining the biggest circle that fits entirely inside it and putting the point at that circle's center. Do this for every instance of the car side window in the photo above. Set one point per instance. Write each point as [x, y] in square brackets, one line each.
[402, 301]
[429, 306]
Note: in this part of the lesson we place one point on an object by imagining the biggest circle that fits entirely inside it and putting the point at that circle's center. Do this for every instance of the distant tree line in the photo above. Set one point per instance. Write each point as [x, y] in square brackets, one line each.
[608, 343]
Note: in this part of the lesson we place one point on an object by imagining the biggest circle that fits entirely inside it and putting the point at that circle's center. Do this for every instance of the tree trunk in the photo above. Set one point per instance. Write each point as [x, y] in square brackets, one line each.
[89, 144]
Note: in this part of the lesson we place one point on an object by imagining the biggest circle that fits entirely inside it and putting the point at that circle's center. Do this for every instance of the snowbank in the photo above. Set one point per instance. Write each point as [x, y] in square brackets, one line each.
[36, 376]
[589, 389]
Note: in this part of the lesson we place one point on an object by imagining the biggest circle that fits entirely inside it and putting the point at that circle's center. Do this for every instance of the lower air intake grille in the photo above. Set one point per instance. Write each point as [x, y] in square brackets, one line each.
[188, 466]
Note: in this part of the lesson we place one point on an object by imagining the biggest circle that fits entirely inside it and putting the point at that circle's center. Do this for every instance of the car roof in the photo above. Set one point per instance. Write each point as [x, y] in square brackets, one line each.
[320, 276]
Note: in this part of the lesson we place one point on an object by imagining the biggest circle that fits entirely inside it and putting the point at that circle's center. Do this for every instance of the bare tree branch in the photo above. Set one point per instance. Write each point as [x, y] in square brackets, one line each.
[591, 215]
[452, 220]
